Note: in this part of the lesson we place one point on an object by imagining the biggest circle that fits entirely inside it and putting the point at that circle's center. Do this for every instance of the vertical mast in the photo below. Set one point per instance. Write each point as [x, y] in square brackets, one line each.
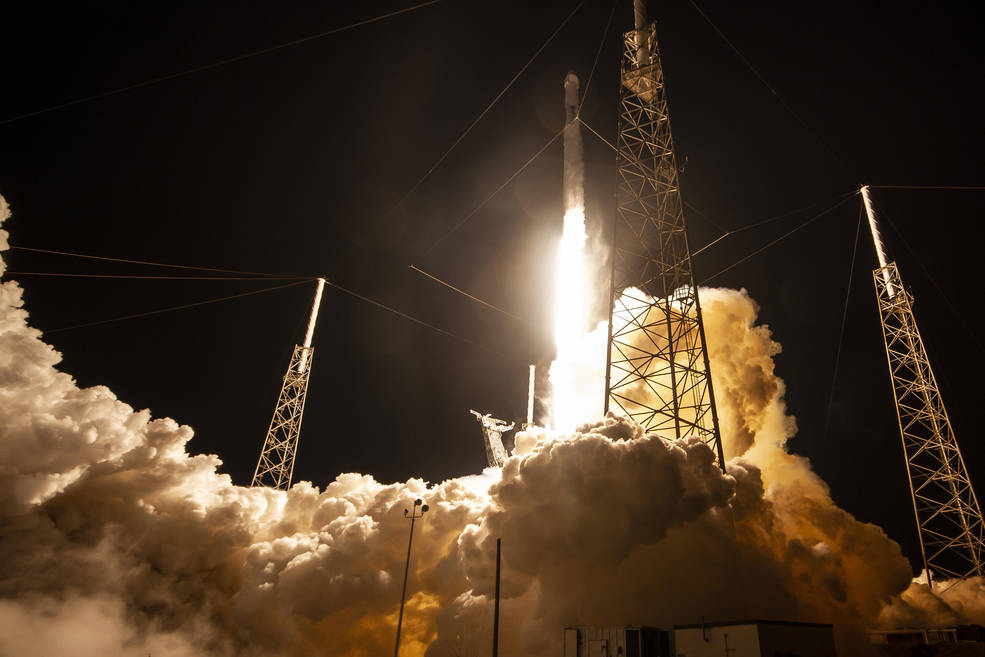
[657, 370]
[275, 468]
[312, 319]
[948, 516]
[530, 397]
[877, 239]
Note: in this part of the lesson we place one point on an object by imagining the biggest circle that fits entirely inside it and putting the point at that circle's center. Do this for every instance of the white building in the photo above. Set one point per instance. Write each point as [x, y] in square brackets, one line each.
[756, 638]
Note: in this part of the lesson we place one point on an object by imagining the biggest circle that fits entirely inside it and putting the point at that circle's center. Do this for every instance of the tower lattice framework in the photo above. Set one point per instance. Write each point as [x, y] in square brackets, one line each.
[276, 465]
[657, 371]
[275, 468]
[949, 518]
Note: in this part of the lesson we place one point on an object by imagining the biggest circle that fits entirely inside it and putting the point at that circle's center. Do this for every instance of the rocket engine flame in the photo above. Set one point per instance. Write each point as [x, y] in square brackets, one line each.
[570, 316]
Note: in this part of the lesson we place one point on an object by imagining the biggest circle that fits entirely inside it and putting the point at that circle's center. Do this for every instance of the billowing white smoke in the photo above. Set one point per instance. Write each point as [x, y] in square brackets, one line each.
[115, 540]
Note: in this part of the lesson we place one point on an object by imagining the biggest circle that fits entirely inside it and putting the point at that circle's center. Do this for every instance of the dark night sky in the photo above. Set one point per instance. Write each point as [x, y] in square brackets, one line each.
[288, 162]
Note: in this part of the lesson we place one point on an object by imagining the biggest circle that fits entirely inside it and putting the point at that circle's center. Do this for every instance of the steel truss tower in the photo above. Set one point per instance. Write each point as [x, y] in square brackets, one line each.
[949, 519]
[276, 465]
[657, 371]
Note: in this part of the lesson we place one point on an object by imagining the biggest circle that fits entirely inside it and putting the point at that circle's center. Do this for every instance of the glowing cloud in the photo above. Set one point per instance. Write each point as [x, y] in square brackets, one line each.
[115, 540]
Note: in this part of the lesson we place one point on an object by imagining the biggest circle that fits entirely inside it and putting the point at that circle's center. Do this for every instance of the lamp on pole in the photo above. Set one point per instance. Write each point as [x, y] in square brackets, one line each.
[413, 516]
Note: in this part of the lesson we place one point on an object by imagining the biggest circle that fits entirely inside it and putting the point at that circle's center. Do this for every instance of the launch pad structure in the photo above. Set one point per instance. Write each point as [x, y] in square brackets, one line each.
[492, 434]
[657, 370]
[949, 518]
[275, 468]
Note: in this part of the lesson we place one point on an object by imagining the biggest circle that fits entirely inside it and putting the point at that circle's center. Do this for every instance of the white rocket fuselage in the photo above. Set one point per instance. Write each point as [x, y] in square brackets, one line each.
[570, 97]
[574, 178]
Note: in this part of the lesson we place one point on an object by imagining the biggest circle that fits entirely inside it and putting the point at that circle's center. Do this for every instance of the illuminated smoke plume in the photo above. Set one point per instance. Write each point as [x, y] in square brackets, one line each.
[115, 540]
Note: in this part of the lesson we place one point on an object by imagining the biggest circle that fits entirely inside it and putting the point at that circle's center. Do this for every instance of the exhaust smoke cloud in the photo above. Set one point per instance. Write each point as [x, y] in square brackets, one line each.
[115, 540]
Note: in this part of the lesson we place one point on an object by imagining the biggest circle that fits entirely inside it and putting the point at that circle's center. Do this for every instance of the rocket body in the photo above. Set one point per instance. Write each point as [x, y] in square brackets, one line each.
[574, 169]
[570, 97]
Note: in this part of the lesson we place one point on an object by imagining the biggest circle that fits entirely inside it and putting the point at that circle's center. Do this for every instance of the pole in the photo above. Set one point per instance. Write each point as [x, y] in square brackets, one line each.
[495, 652]
[310, 333]
[877, 239]
[530, 396]
[403, 594]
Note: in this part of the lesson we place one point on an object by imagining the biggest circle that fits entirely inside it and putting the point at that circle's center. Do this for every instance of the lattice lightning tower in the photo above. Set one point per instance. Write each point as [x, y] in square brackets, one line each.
[657, 371]
[276, 465]
[949, 519]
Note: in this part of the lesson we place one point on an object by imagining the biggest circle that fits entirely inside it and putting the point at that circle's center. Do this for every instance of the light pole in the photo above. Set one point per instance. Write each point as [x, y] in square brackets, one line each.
[413, 516]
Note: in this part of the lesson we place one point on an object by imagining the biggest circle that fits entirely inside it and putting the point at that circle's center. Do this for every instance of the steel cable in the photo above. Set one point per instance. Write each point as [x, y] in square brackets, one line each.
[206, 67]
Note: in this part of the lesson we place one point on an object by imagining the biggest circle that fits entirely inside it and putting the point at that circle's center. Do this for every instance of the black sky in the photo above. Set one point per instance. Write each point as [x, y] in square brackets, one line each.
[288, 162]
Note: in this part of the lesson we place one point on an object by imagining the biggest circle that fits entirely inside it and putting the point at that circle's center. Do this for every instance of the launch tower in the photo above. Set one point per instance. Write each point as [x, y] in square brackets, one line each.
[949, 519]
[276, 465]
[657, 371]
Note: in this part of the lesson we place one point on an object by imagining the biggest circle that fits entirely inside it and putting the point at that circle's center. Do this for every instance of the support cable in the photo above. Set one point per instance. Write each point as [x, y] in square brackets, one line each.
[592, 130]
[154, 264]
[161, 278]
[705, 217]
[482, 114]
[709, 219]
[598, 53]
[297, 280]
[470, 296]
[762, 79]
[616, 150]
[206, 67]
[947, 301]
[769, 220]
[516, 173]
[778, 239]
[844, 318]
[412, 318]
[942, 187]
[182, 307]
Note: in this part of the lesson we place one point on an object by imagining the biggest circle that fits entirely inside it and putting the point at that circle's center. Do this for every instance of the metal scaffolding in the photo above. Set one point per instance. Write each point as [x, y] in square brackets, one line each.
[276, 465]
[949, 518]
[492, 435]
[657, 371]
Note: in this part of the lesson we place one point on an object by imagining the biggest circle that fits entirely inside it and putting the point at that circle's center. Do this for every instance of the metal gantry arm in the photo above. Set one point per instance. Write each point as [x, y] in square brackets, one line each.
[492, 434]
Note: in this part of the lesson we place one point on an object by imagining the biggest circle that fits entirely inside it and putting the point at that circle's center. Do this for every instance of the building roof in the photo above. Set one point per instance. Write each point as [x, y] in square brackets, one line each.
[751, 622]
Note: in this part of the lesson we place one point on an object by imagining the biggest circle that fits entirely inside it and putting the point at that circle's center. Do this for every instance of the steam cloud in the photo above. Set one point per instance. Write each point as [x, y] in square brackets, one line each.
[115, 540]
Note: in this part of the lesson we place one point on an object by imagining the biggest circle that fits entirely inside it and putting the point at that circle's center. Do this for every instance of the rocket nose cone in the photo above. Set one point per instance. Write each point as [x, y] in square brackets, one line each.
[570, 79]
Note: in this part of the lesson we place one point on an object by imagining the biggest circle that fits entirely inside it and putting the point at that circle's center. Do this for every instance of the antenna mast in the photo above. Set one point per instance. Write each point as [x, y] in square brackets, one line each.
[949, 519]
[657, 371]
[276, 465]
[530, 398]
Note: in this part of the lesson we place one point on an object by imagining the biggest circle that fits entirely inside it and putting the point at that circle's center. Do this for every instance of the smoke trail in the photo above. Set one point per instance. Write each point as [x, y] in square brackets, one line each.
[115, 540]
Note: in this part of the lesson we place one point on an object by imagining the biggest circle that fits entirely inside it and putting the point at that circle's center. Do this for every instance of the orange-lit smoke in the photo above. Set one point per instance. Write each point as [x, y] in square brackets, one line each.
[116, 540]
